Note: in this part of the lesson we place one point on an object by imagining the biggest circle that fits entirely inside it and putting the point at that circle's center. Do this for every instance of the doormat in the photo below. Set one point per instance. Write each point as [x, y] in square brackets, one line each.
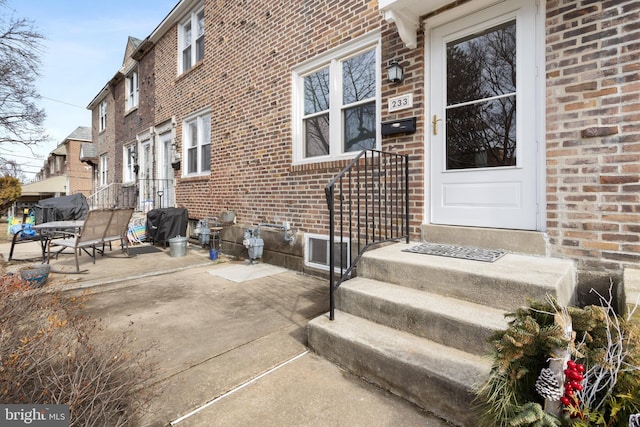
[141, 250]
[462, 252]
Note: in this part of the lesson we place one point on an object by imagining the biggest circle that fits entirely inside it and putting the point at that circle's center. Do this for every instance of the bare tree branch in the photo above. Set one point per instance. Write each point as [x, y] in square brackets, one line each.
[20, 48]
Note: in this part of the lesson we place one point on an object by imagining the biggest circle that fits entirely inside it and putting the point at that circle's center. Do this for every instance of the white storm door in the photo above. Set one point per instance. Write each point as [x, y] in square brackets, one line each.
[166, 171]
[146, 177]
[482, 119]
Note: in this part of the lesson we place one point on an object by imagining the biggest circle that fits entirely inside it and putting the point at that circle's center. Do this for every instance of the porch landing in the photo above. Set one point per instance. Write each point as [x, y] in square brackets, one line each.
[516, 241]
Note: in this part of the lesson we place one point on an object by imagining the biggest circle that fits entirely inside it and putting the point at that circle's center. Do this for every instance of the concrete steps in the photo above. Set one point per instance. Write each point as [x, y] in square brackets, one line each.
[430, 375]
[449, 321]
[417, 325]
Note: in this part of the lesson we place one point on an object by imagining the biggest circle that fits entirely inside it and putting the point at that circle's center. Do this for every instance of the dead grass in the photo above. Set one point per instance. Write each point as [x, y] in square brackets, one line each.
[53, 354]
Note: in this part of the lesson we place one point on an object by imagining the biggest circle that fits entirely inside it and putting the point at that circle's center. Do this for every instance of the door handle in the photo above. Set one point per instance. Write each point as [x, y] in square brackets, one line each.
[434, 122]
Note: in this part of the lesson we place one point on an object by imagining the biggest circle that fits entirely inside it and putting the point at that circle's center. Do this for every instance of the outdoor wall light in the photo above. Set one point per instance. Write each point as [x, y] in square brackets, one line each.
[395, 72]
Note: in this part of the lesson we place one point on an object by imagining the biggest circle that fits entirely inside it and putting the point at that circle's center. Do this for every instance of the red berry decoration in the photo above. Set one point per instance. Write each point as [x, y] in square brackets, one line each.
[574, 375]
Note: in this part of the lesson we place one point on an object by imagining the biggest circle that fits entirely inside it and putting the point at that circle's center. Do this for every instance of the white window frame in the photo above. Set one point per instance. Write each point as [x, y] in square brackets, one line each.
[104, 170]
[190, 24]
[323, 237]
[129, 156]
[202, 139]
[103, 115]
[132, 90]
[333, 59]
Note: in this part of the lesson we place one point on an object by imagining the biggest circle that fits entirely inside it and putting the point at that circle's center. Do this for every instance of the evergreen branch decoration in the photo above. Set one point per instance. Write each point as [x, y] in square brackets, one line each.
[606, 344]
[532, 414]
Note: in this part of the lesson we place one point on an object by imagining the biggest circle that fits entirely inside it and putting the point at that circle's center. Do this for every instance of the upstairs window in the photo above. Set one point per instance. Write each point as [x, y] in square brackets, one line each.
[103, 116]
[197, 145]
[132, 90]
[336, 109]
[191, 40]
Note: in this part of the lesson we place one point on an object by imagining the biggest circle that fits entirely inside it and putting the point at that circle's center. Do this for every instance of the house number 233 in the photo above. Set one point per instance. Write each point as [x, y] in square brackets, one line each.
[400, 102]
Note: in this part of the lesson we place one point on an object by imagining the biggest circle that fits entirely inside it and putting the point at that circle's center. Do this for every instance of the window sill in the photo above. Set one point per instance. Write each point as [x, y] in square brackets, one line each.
[185, 73]
[195, 178]
[131, 111]
[322, 165]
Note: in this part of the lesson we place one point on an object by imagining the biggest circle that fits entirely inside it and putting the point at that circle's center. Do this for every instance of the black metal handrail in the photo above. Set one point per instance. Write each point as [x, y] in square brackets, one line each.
[373, 207]
[142, 194]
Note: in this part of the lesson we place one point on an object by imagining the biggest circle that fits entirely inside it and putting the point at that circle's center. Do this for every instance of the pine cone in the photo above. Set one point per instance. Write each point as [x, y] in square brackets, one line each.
[547, 385]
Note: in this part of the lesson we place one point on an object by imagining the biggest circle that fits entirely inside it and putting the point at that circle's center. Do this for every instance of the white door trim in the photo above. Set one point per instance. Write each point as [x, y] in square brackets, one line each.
[538, 93]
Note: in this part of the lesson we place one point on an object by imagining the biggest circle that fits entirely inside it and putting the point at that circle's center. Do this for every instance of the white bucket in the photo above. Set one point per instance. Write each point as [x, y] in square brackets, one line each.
[178, 246]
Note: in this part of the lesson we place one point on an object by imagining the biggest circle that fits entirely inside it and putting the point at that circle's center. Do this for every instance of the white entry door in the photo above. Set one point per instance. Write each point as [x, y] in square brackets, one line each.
[147, 196]
[165, 171]
[482, 137]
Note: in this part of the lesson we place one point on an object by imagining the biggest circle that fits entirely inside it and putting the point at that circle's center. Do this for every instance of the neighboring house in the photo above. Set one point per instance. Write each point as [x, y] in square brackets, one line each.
[123, 127]
[526, 117]
[63, 173]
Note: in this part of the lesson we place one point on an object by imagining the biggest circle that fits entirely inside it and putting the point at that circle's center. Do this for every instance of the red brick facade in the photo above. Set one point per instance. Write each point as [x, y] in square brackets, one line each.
[80, 174]
[65, 161]
[593, 133]
[251, 48]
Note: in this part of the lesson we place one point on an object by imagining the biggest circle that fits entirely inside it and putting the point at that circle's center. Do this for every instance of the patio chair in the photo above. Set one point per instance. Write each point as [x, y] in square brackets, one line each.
[117, 229]
[90, 236]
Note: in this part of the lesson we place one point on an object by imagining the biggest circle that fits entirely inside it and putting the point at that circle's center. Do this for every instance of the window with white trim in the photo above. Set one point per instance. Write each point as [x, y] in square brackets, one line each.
[104, 170]
[196, 145]
[191, 40]
[337, 103]
[316, 253]
[103, 115]
[129, 161]
[132, 90]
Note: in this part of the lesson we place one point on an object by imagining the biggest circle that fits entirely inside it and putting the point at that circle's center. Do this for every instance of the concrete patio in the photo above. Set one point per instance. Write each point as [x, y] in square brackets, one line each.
[230, 340]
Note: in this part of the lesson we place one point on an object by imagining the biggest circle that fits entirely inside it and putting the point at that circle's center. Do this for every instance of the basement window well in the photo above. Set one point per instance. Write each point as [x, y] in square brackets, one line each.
[316, 254]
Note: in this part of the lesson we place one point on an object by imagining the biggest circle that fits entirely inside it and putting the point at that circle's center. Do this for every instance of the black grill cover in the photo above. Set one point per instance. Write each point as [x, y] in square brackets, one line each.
[166, 223]
[65, 208]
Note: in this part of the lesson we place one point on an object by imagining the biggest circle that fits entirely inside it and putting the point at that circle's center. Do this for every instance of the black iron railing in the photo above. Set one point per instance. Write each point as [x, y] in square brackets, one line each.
[143, 195]
[368, 204]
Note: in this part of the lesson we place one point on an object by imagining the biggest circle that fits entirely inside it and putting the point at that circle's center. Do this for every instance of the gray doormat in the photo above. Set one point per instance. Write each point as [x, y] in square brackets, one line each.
[463, 252]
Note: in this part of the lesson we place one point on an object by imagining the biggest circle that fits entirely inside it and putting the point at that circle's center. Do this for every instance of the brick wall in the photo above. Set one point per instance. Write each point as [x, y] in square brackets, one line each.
[245, 78]
[106, 138]
[412, 61]
[129, 123]
[80, 174]
[593, 133]
[593, 153]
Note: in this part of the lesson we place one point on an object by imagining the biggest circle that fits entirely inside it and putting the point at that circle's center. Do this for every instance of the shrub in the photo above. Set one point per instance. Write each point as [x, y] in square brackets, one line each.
[52, 354]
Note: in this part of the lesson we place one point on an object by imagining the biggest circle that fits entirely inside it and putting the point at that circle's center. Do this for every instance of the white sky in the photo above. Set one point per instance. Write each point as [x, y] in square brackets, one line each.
[84, 48]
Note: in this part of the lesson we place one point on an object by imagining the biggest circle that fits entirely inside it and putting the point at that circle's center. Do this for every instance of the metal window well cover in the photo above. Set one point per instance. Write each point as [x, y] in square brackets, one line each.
[462, 252]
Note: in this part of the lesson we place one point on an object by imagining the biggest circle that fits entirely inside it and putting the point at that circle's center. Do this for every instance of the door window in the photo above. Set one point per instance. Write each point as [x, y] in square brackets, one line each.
[481, 99]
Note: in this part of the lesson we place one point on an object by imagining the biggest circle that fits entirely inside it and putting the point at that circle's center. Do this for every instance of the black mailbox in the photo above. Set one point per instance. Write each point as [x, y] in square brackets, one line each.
[399, 126]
